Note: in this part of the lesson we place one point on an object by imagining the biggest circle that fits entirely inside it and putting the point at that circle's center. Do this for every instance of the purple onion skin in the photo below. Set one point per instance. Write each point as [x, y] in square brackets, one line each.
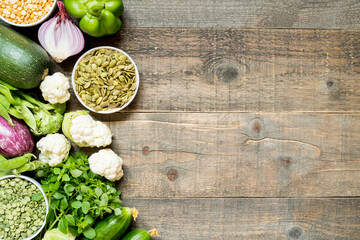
[15, 140]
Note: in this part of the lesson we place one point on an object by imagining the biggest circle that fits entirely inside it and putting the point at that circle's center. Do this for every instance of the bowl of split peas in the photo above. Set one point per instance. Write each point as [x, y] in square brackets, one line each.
[26, 13]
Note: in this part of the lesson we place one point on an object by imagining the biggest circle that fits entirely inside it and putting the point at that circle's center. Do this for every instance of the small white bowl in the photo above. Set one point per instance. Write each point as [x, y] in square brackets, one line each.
[112, 110]
[37, 184]
[41, 20]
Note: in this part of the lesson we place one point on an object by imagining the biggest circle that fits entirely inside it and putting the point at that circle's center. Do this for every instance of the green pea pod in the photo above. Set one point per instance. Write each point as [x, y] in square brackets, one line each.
[6, 92]
[4, 101]
[4, 173]
[2, 158]
[28, 117]
[15, 162]
[15, 111]
[8, 85]
[5, 114]
[21, 169]
[30, 166]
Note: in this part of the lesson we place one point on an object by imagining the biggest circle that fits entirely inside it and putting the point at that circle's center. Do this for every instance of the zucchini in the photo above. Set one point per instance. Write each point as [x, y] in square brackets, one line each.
[140, 234]
[112, 227]
[24, 64]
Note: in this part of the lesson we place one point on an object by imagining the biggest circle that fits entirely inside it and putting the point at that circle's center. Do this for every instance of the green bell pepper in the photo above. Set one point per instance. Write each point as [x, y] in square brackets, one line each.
[97, 17]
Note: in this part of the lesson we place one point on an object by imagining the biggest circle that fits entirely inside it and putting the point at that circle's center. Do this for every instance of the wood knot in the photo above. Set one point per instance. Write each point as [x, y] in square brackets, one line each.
[256, 127]
[223, 70]
[172, 174]
[330, 83]
[146, 150]
[295, 233]
[287, 161]
[227, 73]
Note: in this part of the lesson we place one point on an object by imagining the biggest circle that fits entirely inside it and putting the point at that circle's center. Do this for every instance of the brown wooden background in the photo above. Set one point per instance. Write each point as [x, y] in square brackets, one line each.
[247, 122]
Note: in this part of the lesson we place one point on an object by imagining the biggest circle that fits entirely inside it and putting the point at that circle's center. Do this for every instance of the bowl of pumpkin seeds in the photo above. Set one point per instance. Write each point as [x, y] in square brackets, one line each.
[23, 207]
[105, 79]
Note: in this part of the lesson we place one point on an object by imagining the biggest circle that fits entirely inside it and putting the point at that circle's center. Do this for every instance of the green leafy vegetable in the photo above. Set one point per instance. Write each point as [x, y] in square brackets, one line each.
[78, 196]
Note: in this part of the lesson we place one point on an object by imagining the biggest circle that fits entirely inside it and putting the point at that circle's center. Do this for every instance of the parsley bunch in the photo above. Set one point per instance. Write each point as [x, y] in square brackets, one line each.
[77, 196]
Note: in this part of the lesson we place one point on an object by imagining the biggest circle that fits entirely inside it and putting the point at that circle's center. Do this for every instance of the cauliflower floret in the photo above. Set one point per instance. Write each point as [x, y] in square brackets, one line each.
[55, 88]
[54, 149]
[107, 164]
[86, 132]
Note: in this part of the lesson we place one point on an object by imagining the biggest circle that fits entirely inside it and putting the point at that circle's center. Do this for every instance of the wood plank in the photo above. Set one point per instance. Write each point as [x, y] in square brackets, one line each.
[241, 70]
[324, 14]
[276, 219]
[181, 155]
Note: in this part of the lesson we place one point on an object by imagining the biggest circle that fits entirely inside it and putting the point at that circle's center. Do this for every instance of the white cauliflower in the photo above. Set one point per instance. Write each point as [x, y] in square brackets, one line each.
[54, 88]
[54, 148]
[85, 131]
[107, 164]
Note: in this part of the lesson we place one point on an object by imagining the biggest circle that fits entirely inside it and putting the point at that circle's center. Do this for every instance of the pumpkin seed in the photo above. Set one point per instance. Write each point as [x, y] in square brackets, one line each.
[104, 104]
[105, 64]
[98, 108]
[96, 96]
[98, 61]
[98, 101]
[87, 85]
[105, 79]
[111, 71]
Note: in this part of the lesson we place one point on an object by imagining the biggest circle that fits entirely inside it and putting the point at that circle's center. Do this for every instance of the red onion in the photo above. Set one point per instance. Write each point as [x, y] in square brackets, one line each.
[15, 140]
[60, 37]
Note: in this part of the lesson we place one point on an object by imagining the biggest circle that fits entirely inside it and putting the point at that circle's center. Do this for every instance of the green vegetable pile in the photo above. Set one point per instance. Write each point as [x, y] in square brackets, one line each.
[78, 197]
[22, 208]
[82, 204]
[41, 118]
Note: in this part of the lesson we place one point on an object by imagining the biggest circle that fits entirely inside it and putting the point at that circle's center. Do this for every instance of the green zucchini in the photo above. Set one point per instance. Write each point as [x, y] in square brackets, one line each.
[140, 234]
[112, 227]
[24, 64]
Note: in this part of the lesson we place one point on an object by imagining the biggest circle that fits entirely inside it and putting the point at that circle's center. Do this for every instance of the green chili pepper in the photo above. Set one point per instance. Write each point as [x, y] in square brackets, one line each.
[15, 162]
[97, 17]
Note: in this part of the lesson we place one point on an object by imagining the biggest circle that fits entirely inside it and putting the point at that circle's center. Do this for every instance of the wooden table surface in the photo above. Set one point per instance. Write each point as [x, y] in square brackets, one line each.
[247, 121]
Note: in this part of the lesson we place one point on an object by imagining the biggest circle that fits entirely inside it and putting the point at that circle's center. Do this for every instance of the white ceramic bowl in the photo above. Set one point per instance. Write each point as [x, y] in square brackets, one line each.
[112, 110]
[37, 184]
[41, 20]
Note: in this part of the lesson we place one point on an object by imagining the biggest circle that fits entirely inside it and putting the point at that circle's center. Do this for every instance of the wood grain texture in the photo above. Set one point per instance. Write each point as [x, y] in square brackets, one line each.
[183, 155]
[324, 14]
[255, 219]
[201, 70]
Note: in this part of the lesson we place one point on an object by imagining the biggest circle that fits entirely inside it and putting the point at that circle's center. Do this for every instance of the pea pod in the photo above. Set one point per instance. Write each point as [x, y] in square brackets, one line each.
[2, 158]
[140, 234]
[15, 162]
[30, 166]
[4, 173]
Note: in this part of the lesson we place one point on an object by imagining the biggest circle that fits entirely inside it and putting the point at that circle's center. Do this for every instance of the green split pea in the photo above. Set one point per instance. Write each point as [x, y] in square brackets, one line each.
[20, 215]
